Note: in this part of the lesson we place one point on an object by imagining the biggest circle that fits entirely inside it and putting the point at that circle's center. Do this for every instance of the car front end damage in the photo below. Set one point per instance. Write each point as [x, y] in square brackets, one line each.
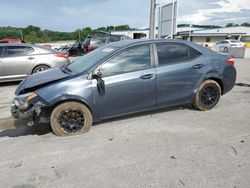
[31, 108]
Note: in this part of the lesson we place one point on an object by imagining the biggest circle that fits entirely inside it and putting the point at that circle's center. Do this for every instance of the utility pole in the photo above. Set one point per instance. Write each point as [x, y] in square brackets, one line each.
[152, 20]
[79, 35]
[21, 35]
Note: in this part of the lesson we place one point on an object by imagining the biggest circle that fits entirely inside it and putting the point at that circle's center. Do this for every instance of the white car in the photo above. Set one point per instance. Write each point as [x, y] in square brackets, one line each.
[224, 45]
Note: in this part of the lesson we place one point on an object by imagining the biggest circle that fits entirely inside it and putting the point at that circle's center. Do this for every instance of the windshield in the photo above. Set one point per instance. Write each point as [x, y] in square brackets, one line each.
[90, 59]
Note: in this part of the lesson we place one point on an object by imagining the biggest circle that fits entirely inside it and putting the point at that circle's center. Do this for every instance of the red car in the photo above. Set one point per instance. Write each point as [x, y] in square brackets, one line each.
[11, 40]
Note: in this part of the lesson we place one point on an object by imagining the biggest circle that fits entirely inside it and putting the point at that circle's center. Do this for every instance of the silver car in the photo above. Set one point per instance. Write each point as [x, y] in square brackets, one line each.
[20, 60]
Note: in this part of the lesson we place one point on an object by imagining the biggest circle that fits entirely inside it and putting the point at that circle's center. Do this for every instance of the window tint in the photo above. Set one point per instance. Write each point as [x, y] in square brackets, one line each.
[133, 59]
[173, 52]
[18, 50]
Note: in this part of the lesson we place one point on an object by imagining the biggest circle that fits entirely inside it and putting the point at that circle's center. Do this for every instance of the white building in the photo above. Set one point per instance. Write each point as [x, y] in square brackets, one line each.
[195, 34]
[134, 34]
[214, 35]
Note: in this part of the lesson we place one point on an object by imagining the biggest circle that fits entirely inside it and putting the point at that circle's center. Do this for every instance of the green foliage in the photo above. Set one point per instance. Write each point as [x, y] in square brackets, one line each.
[234, 25]
[245, 24]
[34, 34]
[115, 28]
[81, 34]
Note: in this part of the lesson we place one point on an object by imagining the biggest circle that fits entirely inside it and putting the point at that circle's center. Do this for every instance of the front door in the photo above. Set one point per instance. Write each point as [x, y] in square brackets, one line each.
[130, 83]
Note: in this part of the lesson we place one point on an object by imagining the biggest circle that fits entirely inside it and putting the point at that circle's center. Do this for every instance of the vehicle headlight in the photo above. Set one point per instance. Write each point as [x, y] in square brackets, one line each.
[22, 101]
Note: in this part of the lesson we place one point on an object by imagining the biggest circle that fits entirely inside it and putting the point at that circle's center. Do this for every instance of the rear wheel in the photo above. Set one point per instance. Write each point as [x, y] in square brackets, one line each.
[207, 95]
[40, 68]
[70, 118]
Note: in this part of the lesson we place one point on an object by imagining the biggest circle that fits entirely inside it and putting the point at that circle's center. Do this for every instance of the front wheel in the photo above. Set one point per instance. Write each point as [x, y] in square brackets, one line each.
[70, 118]
[207, 95]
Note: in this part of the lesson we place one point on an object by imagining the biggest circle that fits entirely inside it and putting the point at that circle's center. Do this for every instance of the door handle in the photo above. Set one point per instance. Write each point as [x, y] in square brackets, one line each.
[198, 66]
[30, 58]
[147, 76]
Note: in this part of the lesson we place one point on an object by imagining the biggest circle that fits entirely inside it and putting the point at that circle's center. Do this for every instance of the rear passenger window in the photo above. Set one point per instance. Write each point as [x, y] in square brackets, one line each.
[12, 51]
[173, 52]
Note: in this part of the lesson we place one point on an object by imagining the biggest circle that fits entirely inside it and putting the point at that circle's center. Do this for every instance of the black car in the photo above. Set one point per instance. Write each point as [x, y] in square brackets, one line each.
[93, 42]
[75, 50]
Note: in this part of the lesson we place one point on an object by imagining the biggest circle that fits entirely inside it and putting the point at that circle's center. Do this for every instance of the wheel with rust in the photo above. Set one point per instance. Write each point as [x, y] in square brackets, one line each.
[71, 118]
[207, 95]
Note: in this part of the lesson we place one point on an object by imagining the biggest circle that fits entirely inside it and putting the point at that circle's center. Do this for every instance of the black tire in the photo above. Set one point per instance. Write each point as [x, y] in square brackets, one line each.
[207, 95]
[40, 68]
[70, 118]
[226, 50]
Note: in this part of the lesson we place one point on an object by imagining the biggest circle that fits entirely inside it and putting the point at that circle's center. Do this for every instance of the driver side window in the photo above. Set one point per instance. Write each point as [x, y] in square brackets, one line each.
[133, 59]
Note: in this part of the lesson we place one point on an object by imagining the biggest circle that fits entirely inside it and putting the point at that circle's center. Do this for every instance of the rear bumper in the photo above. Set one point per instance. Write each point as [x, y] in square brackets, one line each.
[229, 80]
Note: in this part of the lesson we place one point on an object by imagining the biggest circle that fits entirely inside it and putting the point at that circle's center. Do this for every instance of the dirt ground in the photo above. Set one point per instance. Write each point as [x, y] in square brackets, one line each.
[174, 147]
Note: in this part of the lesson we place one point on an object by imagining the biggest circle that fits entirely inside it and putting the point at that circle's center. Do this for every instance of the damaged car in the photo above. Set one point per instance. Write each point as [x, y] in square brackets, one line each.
[122, 78]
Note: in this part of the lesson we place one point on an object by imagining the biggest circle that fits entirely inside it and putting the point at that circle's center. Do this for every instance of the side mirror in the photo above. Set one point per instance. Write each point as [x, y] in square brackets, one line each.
[97, 73]
[100, 82]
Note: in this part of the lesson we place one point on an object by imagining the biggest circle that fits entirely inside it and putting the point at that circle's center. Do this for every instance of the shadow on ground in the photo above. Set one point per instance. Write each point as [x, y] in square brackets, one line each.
[2, 84]
[14, 128]
[242, 85]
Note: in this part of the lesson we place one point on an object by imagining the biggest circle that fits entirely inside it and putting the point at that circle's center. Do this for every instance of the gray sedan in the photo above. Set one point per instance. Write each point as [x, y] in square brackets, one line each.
[20, 60]
[123, 78]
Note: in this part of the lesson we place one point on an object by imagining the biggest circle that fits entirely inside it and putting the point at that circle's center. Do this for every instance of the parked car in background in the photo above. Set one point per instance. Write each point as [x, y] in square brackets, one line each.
[63, 48]
[75, 50]
[123, 78]
[93, 42]
[245, 39]
[11, 40]
[20, 60]
[224, 45]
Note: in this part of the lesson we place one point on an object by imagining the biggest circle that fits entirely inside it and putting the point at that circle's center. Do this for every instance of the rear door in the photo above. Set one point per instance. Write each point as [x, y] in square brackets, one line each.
[179, 69]
[18, 60]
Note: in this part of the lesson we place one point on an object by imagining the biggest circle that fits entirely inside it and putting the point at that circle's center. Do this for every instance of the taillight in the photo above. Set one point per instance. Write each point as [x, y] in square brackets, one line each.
[89, 48]
[63, 55]
[230, 61]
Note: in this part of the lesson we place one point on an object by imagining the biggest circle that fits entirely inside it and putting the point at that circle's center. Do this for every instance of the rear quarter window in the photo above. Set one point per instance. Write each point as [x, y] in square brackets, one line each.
[169, 53]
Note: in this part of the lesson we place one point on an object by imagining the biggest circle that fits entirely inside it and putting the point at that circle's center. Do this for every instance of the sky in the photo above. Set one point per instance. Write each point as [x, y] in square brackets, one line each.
[69, 15]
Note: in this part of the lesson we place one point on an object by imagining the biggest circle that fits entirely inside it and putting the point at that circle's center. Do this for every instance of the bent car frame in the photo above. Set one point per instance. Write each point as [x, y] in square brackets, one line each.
[123, 78]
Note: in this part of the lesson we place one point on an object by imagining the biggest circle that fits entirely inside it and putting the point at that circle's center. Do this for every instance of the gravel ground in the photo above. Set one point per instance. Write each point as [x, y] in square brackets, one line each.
[175, 147]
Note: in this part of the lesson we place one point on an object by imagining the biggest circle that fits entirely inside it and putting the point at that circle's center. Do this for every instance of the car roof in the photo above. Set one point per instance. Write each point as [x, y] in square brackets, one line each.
[124, 43]
[16, 44]
[130, 43]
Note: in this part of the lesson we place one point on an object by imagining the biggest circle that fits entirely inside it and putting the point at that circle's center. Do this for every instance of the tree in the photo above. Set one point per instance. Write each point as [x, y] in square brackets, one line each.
[246, 24]
[84, 32]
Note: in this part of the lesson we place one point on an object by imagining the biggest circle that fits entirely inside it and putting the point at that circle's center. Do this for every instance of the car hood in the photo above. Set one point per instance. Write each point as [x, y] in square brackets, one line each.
[34, 81]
